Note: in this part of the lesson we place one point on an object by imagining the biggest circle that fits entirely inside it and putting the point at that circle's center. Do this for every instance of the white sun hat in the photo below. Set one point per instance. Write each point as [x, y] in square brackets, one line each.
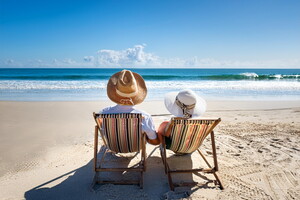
[185, 101]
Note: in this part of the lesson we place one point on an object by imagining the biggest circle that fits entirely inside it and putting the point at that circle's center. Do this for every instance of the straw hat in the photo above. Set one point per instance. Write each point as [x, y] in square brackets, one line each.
[187, 99]
[126, 88]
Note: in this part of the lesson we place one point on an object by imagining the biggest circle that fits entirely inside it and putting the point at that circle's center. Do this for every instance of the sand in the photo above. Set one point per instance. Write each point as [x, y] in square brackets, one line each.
[46, 152]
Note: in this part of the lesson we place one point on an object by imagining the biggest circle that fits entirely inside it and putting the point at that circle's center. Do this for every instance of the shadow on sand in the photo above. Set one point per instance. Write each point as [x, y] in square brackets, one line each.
[76, 184]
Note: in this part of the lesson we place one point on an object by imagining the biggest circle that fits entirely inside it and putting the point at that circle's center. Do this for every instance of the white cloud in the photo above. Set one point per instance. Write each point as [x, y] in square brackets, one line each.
[138, 57]
[88, 59]
[210, 62]
[69, 61]
[9, 61]
[39, 63]
[135, 56]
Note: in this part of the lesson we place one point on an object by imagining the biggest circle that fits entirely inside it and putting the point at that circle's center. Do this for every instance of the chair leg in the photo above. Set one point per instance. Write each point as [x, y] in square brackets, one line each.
[143, 161]
[162, 158]
[164, 155]
[161, 154]
[144, 154]
[213, 145]
[95, 147]
[166, 164]
[170, 177]
[218, 180]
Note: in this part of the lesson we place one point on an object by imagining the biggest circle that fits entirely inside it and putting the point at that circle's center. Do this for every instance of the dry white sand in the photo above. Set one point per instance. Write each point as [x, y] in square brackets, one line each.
[46, 152]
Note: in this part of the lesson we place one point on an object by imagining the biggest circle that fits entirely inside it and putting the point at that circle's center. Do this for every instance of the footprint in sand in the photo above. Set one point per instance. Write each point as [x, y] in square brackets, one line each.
[282, 183]
[240, 189]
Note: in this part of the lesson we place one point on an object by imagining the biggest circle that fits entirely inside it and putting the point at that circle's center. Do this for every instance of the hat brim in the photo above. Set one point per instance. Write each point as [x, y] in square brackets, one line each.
[174, 109]
[137, 99]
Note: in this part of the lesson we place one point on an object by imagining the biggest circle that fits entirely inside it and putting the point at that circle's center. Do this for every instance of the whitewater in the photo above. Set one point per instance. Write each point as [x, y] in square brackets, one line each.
[90, 84]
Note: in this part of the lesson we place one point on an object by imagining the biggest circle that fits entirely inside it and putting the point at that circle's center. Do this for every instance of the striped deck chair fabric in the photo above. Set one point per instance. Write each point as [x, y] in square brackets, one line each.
[121, 132]
[188, 135]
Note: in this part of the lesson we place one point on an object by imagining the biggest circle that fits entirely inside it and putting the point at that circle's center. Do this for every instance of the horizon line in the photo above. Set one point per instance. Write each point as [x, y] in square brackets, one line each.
[149, 67]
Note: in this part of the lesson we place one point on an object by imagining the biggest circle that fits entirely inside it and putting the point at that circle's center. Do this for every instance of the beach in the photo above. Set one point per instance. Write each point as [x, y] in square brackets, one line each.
[234, 65]
[46, 152]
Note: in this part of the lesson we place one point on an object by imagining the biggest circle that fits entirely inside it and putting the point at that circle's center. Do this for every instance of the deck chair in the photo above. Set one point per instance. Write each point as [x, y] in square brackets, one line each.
[121, 133]
[187, 136]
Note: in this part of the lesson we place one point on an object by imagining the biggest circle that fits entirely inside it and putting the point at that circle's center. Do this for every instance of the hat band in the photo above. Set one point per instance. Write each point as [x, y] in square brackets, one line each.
[122, 94]
[185, 108]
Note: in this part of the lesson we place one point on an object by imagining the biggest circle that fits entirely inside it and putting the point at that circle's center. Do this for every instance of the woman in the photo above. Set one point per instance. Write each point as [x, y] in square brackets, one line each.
[185, 103]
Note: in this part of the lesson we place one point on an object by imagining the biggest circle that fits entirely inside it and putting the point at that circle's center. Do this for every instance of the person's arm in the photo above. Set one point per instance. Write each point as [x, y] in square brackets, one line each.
[155, 141]
[149, 130]
[162, 130]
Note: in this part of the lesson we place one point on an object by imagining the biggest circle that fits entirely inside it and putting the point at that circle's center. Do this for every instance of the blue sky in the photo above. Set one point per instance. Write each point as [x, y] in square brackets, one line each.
[150, 33]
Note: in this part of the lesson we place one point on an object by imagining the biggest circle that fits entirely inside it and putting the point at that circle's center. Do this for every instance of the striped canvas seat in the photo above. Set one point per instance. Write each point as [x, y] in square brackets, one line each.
[186, 136]
[120, 133]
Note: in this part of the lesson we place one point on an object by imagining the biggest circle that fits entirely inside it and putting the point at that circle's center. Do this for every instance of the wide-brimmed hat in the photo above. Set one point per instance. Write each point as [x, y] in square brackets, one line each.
[126, 88]
[176, 102]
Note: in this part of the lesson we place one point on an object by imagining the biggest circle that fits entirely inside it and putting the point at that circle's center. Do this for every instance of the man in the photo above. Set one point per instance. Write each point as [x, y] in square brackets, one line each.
[128, 89]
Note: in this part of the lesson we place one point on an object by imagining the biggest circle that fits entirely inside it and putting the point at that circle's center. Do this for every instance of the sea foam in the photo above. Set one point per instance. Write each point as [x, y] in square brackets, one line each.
[249, 74]
[221, 85]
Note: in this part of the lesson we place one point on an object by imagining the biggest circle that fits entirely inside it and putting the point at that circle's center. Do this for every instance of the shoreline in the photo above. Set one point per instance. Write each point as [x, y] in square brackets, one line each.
[97, 98]
[41, 141]
[211, 104]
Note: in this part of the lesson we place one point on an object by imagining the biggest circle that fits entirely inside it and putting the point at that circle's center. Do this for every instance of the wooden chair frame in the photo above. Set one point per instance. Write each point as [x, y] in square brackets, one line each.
[139, 167]
[210, 169]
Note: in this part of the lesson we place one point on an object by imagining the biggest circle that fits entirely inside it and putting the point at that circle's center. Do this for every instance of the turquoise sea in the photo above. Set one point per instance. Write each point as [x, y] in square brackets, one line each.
[28, 84]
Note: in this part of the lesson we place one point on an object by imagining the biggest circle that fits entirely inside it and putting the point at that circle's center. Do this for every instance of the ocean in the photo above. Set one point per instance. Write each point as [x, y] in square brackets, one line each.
[74, 84]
